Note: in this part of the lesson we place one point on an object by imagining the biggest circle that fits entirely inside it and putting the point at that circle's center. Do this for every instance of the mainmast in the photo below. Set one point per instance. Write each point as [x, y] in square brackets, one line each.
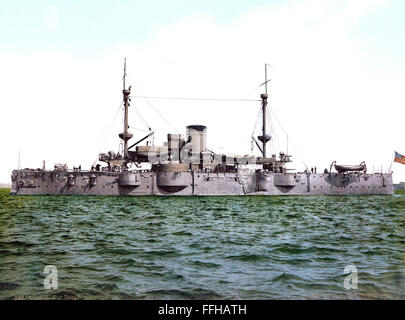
[125, 136]
[264, 138]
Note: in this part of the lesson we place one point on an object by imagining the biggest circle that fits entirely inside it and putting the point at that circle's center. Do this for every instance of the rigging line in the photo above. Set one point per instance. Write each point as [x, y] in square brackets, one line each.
[137, 129]
[289, 140]
[255, 126]
[108, 131]
[272, 128]
[158, 112]
[241, 140]
[197, 99]
[142, 118]
[259, 109]
[258, 117]
[142, 96]
[105, 129]
[257, 121]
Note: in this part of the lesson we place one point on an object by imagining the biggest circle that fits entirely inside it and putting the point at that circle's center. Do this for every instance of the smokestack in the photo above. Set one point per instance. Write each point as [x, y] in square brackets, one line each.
[197, 136]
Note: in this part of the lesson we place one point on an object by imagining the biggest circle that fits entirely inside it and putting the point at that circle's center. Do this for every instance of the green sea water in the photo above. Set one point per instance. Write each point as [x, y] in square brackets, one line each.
[253, 247]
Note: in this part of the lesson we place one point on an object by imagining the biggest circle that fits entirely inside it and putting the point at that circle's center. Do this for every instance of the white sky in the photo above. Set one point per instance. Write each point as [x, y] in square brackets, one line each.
[336, 96]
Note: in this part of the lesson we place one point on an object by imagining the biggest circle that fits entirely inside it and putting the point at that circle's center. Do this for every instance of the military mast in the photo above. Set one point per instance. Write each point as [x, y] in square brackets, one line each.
[264, 138]
[125, 136]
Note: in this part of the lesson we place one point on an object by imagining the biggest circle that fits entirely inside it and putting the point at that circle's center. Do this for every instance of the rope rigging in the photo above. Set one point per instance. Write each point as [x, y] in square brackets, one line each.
[142, 119]
[196, 99]
[107, 131]
[156, 110]
[289, 138]
[274, 142]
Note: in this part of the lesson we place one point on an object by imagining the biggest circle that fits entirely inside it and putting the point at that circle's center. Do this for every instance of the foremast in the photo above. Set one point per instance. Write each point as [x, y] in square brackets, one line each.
[126, 135]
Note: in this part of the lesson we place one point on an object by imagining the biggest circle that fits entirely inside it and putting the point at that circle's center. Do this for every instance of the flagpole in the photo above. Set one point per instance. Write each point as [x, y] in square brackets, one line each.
[19, 159]
[391, 163]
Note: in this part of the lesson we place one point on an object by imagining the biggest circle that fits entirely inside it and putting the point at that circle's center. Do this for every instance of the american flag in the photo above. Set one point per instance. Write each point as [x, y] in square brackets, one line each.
[399, 158]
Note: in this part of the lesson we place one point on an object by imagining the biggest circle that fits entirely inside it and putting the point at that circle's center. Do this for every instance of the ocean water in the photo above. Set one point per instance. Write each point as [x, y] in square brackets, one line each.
[202, 247]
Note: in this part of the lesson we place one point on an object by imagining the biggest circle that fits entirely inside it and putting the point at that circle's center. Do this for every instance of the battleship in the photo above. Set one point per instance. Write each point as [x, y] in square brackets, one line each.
[184, 166]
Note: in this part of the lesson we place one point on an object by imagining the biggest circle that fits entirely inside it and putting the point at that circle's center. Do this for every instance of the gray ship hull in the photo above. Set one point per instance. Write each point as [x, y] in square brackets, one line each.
[194, 183]
[184, 166]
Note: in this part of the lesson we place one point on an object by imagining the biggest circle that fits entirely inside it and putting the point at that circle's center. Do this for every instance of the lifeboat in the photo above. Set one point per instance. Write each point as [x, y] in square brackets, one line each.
[347, 168]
